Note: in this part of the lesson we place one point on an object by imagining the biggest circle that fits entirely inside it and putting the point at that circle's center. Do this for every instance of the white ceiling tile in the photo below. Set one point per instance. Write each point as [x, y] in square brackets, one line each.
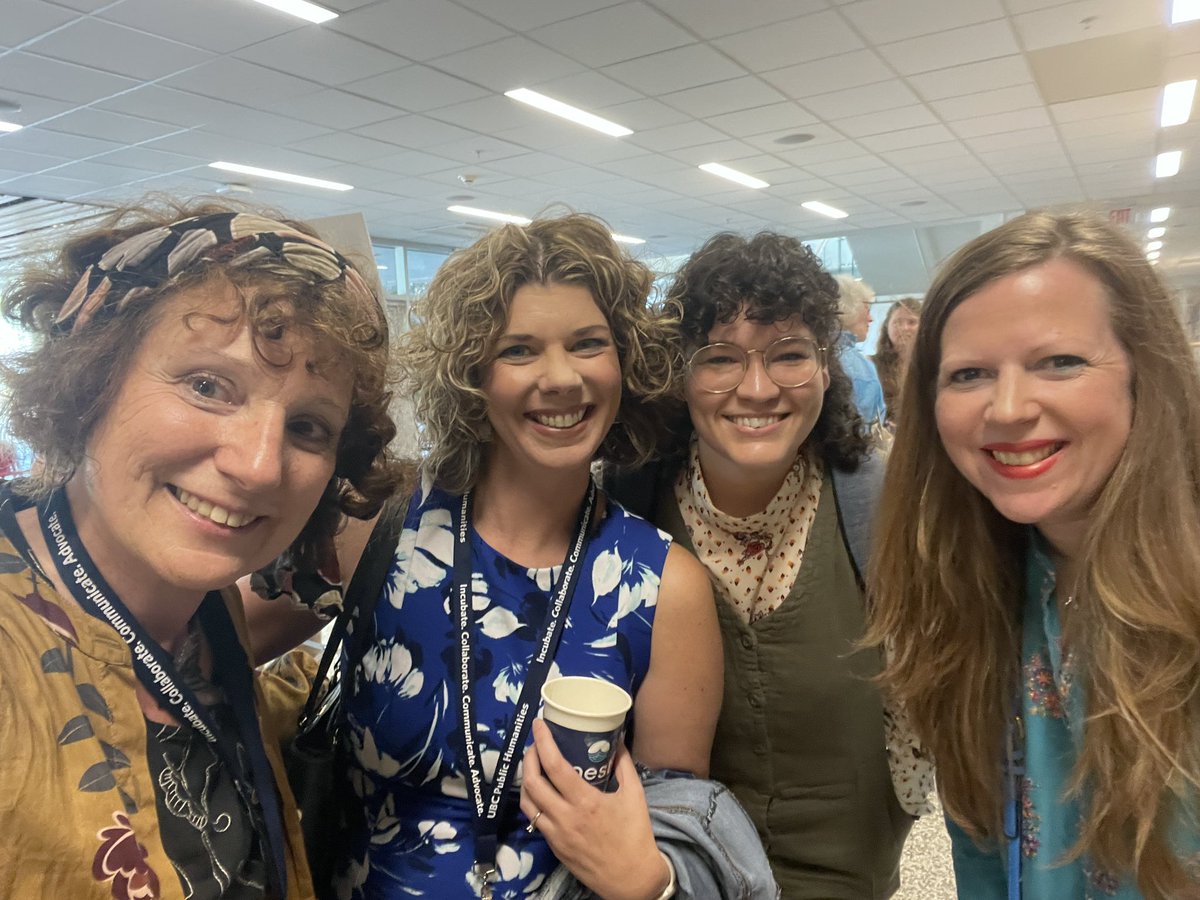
[321, 55]
[831, 167]
[508, 63]
[883, 21]
[22, 161]
[640, 167]
[416, 88]
[28, 19]
[531, 165]
[971, 78]
[861, 100]
[597, 149]
[588, 90]
[251, 84]
[491, 115]
[786, 43]
[49, 186]
[25, 72]
[711, 20]
[818, 151]
[1009, 121]
[675, 70]
[345, 147]
[1021, 6]
[951, 48]
[1086, 129]
[730, 153]
[986, 103]
[930, 153]
[723, 97]
[908, 137]
[613, 35]
[412, 163]
[67, 147]
[899, 119]
[777, 119]
[166, 105]
[336, 109]
[846, 70]
[672, 137]
[117, 50]
[1085, 20]
[821, 134]
[642, 115]
[218, 25]
[266, 128]
[419, 29]
[477, 150]
[158, 161]
[1142, 101]
[413, 131]
[1013, 140]
[523, 15]
[110, 126]
[82, 5]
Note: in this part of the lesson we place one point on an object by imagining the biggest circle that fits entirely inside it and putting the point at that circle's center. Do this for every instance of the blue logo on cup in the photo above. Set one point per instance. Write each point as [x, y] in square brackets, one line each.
[591, 755]
[598, 752]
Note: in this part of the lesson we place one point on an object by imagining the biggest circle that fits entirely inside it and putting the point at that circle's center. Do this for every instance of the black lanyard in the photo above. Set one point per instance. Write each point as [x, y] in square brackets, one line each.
[487, 813]
[156, 670]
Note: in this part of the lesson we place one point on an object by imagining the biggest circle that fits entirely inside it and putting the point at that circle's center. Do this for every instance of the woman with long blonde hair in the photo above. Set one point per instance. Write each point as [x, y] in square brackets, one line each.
[894, 350]
[1037, 575]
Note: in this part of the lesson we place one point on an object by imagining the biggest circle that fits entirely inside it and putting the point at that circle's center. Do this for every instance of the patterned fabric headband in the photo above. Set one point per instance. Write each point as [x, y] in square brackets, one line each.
[140, 264]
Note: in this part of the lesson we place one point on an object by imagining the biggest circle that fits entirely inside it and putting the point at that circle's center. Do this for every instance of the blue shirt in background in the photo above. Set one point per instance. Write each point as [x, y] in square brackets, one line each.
[868, 393]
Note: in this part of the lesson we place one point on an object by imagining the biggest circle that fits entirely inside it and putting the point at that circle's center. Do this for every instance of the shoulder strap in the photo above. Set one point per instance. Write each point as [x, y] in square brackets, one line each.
[358, 604]
[857, 495]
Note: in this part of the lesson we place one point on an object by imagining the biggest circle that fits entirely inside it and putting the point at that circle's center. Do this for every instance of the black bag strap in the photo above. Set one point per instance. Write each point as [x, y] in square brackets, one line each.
[358, 604]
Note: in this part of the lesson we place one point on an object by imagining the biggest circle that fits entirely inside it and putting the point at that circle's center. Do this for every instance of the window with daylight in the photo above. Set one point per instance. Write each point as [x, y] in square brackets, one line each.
[406, 269]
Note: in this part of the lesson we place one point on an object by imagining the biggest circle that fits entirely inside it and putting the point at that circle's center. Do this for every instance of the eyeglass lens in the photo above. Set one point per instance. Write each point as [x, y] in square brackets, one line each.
[789, 362]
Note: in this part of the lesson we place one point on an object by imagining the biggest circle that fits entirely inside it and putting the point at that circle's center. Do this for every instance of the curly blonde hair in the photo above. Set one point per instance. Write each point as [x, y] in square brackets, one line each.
[947, 578]
[64, 387]
[445, 355]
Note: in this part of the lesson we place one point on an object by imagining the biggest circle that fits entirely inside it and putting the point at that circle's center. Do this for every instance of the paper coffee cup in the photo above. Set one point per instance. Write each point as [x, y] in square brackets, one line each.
[586, 716]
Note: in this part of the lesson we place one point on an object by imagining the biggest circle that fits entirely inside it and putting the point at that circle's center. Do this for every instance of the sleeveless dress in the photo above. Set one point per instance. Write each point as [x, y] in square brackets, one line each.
[411, 835]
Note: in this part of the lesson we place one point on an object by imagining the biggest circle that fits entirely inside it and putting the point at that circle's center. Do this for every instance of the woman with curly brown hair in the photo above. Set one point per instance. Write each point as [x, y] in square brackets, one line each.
[893, 350]
[532, 356]
[773, 486]
[1037, 575]
[208, 389]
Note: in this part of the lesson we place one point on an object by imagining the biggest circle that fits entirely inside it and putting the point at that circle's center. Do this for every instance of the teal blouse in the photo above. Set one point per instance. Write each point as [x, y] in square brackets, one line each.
[1053, 711]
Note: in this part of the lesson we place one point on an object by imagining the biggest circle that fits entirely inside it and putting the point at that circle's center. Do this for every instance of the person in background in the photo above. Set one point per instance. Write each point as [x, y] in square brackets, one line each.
[854, 300]
[1036, 573]
[532, 355]
[209, 388]
[770, 480]
[893, 350]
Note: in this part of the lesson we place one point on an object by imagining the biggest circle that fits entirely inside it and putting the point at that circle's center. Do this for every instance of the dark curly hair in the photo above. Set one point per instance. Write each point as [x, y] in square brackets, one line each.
[769, 277]
[63, 388]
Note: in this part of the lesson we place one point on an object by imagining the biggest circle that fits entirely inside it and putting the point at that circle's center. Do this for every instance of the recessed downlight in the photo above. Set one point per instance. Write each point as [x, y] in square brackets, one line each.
[796, 137]
[913, 202]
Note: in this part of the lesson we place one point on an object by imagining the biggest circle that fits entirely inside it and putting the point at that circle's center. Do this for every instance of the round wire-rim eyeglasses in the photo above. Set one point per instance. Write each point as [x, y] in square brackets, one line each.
[790, 362]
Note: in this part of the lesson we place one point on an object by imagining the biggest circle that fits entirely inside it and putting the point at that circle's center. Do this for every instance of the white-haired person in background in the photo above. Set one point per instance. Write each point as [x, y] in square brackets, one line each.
[854, 299]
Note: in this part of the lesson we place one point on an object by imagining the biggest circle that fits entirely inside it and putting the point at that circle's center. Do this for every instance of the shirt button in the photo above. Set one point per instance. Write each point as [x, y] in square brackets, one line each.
[755, 701]
[747, 642]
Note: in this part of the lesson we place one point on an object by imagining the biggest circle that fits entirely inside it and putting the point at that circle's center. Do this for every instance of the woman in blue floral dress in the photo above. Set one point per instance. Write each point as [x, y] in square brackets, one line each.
[533, 356]
[1037, 579]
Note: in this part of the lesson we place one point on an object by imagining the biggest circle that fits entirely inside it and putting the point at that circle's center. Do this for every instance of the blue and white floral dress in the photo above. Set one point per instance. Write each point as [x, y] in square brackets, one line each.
[415, 838]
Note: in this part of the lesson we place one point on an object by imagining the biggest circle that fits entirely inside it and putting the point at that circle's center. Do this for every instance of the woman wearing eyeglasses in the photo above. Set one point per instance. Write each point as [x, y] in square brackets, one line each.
[772, 485]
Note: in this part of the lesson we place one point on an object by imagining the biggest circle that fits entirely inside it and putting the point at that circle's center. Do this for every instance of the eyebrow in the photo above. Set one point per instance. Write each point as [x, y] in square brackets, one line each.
[578, 332]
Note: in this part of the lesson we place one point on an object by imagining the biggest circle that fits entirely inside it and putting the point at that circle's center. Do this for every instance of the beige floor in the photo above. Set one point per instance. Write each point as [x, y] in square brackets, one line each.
[925, 869]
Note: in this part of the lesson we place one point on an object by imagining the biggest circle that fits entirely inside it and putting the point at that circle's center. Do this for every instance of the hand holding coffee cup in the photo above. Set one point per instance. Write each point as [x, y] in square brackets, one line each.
[586, 717]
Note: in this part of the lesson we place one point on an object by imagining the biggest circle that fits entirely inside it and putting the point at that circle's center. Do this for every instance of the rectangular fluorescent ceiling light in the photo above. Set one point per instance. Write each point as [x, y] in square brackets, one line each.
[1167, 164]
[1160, 214]
[626, 239]
[1154, 233]
[301, 9]
[1184, 11]
[566, 111]
[489, 214]
[281, 176]
[1154, 245]
[734, 175]
[1177, 102]
[9, 126]
[824, 209]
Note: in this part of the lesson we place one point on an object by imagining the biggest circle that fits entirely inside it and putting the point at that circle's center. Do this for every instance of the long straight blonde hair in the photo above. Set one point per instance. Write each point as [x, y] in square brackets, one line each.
[947, 580]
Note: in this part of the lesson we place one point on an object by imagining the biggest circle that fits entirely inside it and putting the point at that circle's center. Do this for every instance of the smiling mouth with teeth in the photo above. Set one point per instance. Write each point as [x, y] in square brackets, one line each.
[1026, 457]
[211, 511]
[755, 421]
[560, 420]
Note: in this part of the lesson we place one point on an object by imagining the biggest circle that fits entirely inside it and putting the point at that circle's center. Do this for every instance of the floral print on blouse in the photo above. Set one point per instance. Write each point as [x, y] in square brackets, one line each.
[415, 838]
[1053, 711]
